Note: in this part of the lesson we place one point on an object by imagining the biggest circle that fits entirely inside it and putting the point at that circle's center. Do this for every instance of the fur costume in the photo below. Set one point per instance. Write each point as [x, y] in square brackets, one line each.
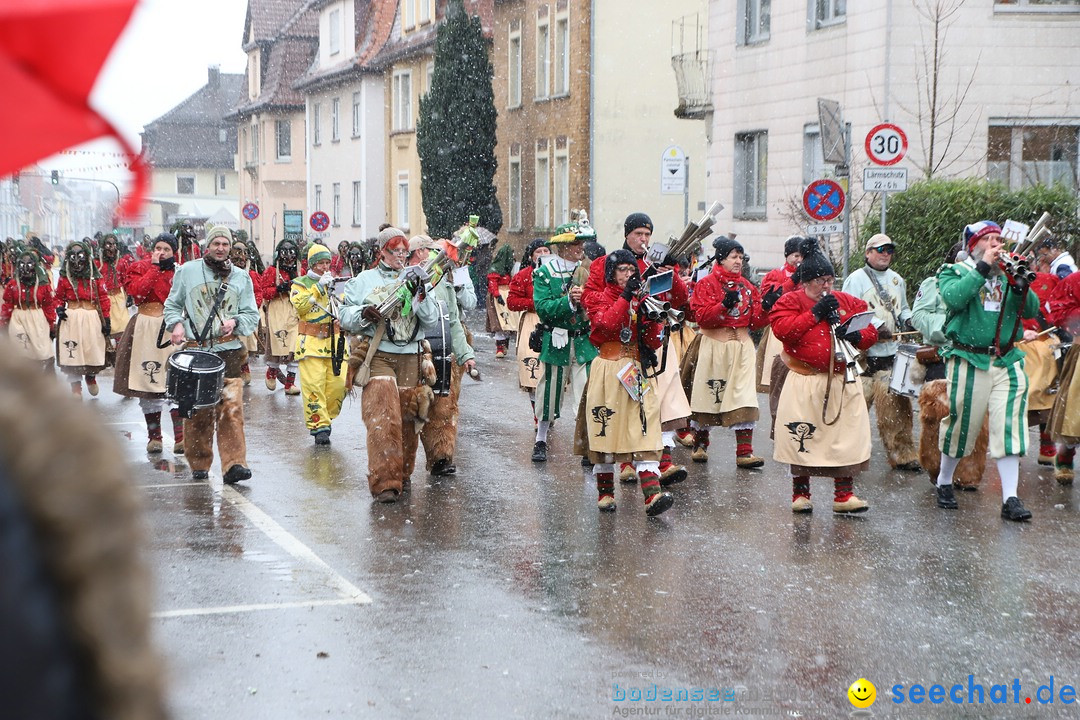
[227, 418]
[87, 526]
[933, 408]
[894, 417]
[391, 441]
[439, 434]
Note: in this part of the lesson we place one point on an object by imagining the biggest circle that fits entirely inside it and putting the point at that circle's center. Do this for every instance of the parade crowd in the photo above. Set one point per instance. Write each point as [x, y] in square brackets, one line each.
[645, 347]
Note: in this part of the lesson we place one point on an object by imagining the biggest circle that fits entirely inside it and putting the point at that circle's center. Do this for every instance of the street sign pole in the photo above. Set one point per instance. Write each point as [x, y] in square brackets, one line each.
[847, 215]
[686, 194]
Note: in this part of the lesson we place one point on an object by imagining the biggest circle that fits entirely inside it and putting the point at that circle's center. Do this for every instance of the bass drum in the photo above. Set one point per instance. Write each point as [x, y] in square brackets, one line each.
[194, 379]
[441, 352]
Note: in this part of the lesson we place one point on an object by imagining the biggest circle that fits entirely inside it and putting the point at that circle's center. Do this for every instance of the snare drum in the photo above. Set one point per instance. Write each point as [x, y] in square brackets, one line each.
[905, 380]
[194, 379]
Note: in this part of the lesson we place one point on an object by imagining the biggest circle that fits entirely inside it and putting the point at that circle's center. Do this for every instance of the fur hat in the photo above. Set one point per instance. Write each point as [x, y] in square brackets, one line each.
[636, 220]
[791, 245]
[316, 253]
[977, 231]
[724, 246]
[814, 263]
[615, 259]
[388, 234]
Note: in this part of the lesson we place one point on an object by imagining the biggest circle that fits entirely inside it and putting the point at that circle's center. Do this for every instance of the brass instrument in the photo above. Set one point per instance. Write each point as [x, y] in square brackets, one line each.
[846, 353]
[689, 242]
[413, 279]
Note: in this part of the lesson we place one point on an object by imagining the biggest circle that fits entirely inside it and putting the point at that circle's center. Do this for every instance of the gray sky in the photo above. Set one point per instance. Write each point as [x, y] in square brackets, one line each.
[160, 59]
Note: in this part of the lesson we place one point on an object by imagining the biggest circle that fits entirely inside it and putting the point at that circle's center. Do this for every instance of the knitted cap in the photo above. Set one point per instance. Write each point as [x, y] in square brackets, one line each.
[317, 253]
[814, 263]
[168, 238]
[792, 244]
[724, 246]
[636, 220]
[388, 234]
[978, 230]
[219, 231]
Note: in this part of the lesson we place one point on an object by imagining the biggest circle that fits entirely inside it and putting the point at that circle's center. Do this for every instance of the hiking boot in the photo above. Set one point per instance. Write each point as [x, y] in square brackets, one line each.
[850, 506]
[539, 451]
[658, 503]
[700, 454]
[671, 474]
[1047, 454]
[245, 374]
[946, 499]
[178, 447]
[802, 504]
[501, 346]
[1014, 510]
[749, 461]
[153, 445]
[235, 474]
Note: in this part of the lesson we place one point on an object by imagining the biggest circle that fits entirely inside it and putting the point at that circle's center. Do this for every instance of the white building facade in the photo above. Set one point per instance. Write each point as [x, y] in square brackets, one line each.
[1007, 107]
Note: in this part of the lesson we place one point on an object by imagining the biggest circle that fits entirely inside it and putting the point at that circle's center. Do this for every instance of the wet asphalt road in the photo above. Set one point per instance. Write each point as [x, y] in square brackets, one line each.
[503, 593]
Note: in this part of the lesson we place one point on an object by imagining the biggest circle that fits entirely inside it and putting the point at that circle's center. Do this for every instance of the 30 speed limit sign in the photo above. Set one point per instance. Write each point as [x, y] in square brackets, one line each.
[886, 144]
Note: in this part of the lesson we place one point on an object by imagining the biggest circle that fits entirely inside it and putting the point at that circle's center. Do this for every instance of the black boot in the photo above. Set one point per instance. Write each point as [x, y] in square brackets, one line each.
[539, 451]
[1014, 510]
[946, 499]
[443, 466]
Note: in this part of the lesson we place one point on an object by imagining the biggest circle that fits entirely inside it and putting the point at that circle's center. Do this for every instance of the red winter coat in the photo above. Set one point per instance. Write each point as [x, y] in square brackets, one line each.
[609, 313]
[708, 306]
[494, 281]
[31, 296]
[114, 275]
[87, 291]
[808, 339]
[1043, 287]
[269, 282]
[520, 298]
[679, 296]
[780, 276]
[147, 283]
[1064, 304]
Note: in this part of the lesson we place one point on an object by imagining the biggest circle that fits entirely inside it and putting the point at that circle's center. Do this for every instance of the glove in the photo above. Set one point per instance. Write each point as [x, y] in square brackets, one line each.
[52, 332]
[825, 307]
[166, 264]
[106, 327]
[1019, 284]
[326, 279]
[884, 334]
[648, 357]
[907, 326]
[283, 288]
[371, 313]
[499, 299]
[854, 337]
[771, 297]
[731, 299]
[632, 286]
[61, 312]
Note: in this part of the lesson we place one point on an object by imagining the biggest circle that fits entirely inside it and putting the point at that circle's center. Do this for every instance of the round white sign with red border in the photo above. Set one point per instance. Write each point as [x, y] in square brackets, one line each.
[886, 144]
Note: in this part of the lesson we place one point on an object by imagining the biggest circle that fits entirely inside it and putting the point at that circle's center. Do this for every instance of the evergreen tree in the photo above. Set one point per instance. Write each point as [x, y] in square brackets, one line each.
[455, 134]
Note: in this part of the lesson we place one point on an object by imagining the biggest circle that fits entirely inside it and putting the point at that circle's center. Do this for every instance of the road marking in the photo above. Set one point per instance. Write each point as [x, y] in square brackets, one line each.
[290, 544]
[228, 609]
[172, 485]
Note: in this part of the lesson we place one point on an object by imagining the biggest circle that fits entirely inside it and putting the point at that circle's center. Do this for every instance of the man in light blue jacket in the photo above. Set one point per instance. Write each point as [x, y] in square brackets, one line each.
[390, 374]
[195, 287]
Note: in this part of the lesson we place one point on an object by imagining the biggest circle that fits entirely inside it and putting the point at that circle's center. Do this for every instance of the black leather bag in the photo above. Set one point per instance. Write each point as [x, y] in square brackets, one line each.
[536, 337]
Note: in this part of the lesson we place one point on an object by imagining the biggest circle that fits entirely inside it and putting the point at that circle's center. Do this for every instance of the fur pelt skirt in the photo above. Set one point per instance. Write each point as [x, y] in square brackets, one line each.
[933, 408]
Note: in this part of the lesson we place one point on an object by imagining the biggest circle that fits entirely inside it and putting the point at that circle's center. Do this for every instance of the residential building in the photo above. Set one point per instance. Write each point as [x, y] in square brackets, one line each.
[345, 114]
[191, 153]
[585, 115]
[407, 62]
[281, 38]
[1005, 108]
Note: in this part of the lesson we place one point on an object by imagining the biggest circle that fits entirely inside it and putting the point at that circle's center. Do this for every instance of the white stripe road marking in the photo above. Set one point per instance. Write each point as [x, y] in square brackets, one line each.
[225, 610]
[172, 485]
[292, 545]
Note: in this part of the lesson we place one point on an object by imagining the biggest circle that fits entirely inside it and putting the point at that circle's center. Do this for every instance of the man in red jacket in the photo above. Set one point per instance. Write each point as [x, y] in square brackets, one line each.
[1063, 310]
[822, 422]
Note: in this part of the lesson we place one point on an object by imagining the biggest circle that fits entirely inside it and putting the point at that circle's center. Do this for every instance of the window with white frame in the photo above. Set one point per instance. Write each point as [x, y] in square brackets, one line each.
[402, 101]
[403, 201]
[335, 213]
[542, 184]
[426, 11]
[429, 73]
[1038, 5]
[221, 181]
[408, 14]
[562, 187]
[318, 197]
[255, 143]
[813, 154]
[562, 53]
[283, 137]
[751, 160]
[334, 32]
[515, 187]
[316, 124]
[1039, 153]
[828, 12]
[244, 143]
[357, 202]
[755, 18]
[335, 119]
[356, 119]
[543, 55]
[513, 85]
[185, 184]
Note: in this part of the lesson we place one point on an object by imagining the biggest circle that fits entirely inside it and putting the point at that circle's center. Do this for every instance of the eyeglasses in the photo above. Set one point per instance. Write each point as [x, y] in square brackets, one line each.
[886, 249]
[399, 252]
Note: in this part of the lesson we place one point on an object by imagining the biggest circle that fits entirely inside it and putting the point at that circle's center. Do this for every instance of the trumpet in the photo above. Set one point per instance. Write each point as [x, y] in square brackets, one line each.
[414, 279]
[846, 353]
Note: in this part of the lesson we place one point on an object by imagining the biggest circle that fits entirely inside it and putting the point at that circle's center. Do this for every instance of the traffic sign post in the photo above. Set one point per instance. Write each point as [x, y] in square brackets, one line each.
[886, 144]
[824, 200]
[250, 211]
[319, 221]
[675, 176]
[833, 228]
[884, 180]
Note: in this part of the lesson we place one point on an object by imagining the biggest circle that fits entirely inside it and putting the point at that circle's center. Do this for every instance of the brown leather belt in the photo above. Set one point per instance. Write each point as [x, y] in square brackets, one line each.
[80, 305]
[972, 349]
[802, 367]
[213, 341]
[613, 350]
[726, 334]
[316, 330]
[154, 309]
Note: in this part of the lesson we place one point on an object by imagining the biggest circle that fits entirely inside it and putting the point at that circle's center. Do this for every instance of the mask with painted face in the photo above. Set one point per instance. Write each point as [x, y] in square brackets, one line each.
[239, 255]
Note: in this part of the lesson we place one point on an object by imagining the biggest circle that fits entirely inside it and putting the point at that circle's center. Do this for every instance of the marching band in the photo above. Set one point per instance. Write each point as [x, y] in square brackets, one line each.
[655, 342]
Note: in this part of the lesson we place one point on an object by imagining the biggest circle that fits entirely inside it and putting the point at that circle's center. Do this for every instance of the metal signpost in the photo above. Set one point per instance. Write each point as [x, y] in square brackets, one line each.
[886, 144]
[250, 211]
[836, 149]
[675, 176]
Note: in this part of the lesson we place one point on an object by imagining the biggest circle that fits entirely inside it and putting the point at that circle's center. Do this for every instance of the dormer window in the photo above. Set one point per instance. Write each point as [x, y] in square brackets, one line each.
[334, 31]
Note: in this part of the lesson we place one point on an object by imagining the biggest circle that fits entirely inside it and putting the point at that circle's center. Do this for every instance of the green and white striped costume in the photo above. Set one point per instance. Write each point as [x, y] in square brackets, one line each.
[977, 380]
[566, 359]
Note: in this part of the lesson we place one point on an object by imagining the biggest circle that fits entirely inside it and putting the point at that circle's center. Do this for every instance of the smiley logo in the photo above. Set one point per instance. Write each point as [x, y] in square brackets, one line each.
[862, 693]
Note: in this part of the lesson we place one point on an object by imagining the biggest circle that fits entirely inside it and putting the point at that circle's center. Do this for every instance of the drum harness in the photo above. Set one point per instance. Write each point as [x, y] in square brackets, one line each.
[219, 296]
